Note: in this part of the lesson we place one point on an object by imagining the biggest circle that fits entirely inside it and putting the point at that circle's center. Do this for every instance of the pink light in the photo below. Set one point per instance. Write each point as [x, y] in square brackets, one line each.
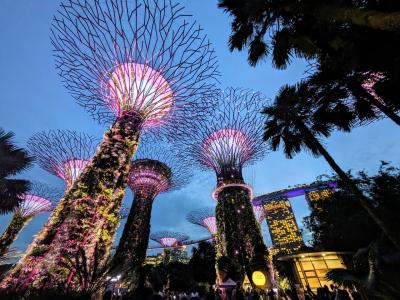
[33, 205]
[72, 170]
[137, 87]
[259, 213]
[149, 180]
[226, 145]
[247, 187]
[211, 225]
[168, 242]
[370, 82]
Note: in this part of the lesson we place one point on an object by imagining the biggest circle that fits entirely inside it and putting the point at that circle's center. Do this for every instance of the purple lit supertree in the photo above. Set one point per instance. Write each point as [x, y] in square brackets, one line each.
[204, 217]
[63, 153]
[38, 200]
[140, 65]
[259, 213]
[229, 139]
[168, 239]
[155, 170]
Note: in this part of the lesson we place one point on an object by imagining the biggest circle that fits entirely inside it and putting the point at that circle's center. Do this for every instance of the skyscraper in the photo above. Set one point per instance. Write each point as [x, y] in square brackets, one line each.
[285, 234]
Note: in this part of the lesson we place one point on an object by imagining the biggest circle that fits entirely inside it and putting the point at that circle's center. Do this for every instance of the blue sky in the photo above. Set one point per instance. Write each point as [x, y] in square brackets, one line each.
[32, 99]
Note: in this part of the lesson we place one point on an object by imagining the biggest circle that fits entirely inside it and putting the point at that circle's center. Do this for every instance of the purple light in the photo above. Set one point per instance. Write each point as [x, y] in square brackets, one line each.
[168, 242]
[72, 170]
[137, 87]
[223, 145]
[33, 205]
[147, 178]
[259, 213]
[211, 224]
[247, 187]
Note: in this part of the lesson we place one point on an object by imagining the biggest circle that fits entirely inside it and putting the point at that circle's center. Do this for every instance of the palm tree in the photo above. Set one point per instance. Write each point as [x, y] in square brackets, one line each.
[295, 121]
[13, 160]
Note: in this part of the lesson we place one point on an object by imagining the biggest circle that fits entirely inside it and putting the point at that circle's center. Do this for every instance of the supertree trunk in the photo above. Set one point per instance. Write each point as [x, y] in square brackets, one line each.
[238, 229]
[87, 216]
[10, 234]
[131, 250]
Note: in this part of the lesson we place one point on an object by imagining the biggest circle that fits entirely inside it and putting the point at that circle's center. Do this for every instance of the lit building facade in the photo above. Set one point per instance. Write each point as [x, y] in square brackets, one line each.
[314, 197]
[285, 234]
[310, 268]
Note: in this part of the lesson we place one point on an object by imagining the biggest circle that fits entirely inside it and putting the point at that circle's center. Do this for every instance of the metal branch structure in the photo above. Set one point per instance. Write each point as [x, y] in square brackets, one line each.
[155, 170]
[141, 65]
[168, 239]
[204, 217]
[229, 139]
[40, 199]
[63, 153]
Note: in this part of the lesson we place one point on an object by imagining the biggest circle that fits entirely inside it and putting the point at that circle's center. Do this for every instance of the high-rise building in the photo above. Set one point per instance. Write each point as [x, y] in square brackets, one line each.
[285, 234]
[314, 197]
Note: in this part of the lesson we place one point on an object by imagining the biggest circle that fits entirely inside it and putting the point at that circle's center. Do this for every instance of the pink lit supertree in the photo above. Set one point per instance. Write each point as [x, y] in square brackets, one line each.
[63, 153]
[259, 213]
[154, 171]
[139, 65]
[229, 139]
[168, 239]
[204, 217]
[38, 200]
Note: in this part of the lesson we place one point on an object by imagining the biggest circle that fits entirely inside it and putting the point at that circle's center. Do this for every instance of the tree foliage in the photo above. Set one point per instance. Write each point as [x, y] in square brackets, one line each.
[347, 44]
[13, 160]
[202, 263]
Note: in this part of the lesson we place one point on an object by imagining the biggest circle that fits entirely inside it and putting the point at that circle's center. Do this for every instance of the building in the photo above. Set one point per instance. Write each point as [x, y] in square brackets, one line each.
[314, 197]
[285, 234]
[310, 268]
[153, 260]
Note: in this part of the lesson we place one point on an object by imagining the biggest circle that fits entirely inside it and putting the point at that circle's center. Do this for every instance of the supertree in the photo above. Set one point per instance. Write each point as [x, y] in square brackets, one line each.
[38, 200]
[259, 213]
[140, 65]
[229, 139]
[204, 217]
[63, 153]
[155, 170]
[168, 239]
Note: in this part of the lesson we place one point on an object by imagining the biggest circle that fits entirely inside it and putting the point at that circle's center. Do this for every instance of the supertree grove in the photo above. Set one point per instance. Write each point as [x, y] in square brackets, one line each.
[140, 65]
[168, 239]
[38, 200]
[155, 170]
[228, 140]
[204, 217]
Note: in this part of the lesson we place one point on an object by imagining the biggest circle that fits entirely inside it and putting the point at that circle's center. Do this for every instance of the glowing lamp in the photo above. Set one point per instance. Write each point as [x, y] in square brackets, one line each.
[137, 87]
[259, 278]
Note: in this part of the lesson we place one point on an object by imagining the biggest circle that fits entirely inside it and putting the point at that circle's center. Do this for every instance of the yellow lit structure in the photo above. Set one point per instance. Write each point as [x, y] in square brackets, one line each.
[153, 260]
[315, 197]
[310, 268]
[285, 234]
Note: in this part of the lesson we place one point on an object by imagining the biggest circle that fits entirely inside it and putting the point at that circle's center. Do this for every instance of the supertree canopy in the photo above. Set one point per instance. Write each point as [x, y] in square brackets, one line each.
[168, 239]
[38, 200]
[259, 213]
[63, 153]
[140, 64]
[155, 170]
[204, 217]
[225, 142]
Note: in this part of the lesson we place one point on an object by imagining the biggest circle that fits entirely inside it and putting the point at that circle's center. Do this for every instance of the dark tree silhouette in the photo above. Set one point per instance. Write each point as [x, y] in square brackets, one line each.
[13, 160]
[340, 39]
[202, 262]
[295, 122]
